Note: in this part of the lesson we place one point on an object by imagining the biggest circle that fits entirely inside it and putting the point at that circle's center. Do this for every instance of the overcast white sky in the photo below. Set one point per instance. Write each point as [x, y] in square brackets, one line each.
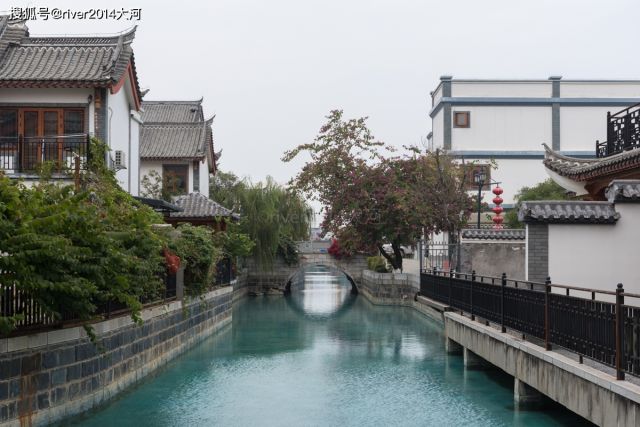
[271, 69]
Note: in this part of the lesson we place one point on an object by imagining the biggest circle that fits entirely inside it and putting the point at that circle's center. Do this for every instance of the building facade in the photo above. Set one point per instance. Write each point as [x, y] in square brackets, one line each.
[56, 92]
[176, 146]
[506, 122]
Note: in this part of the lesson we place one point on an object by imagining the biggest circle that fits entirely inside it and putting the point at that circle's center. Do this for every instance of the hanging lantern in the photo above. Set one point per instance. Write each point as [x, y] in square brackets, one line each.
[497, 201]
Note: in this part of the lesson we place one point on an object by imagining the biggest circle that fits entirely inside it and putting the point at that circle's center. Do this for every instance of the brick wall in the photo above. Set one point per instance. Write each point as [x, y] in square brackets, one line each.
[49, 376]
[537, 252]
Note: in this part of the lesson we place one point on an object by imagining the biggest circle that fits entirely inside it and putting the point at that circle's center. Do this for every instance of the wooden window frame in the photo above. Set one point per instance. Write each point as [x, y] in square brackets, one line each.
[186, 174]
[466, 114]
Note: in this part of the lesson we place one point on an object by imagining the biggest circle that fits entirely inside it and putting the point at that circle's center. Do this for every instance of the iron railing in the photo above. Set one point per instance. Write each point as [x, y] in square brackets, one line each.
[623, 132]
[592, 323]
[33, 316]
[26, 154]
[225, 273]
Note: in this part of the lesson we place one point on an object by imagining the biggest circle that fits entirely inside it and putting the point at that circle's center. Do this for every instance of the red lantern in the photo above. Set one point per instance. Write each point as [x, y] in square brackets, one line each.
[497, 201]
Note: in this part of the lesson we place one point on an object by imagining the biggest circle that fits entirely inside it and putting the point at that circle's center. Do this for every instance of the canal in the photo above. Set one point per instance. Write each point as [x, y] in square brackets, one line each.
[323, 357]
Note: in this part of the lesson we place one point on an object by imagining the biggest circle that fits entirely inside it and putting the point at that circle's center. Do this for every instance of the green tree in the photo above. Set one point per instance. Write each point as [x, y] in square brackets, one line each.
[74, 249]
[272, 216]
[370, 199]
[546, 190]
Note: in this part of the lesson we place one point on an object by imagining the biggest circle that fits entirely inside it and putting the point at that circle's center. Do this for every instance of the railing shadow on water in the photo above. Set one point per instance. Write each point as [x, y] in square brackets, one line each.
[593, 323]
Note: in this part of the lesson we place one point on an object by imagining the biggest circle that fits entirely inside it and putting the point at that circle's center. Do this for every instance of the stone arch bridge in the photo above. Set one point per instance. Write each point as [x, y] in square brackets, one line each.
[279, 278]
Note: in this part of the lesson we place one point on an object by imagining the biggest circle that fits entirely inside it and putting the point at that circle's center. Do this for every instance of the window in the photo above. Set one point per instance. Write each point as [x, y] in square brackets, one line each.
[175, 179]
[461, 119]
[471, 174]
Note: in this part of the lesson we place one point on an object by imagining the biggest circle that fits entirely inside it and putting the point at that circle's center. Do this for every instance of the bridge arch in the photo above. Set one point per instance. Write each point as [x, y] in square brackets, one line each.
[305, 266]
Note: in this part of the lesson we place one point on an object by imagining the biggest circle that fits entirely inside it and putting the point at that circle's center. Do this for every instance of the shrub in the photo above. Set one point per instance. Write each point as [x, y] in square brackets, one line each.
[377, 264]
[199, 254]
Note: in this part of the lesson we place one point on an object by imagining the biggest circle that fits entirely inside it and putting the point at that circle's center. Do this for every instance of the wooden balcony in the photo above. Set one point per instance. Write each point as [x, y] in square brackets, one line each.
[623, 132]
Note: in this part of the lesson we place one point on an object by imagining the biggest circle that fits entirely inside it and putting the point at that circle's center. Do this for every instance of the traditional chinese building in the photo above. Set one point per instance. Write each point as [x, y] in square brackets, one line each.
[57, 91]
[590, 242]
[176, 143]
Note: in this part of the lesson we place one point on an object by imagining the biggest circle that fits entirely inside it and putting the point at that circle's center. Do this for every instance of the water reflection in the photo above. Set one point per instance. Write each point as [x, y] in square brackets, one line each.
[320, 293]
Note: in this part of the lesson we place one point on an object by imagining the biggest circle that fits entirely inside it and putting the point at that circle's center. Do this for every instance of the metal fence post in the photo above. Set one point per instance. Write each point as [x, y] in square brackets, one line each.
[450, 284]
[619, 332]
[504, 285]
[547, 324]
[473, 279]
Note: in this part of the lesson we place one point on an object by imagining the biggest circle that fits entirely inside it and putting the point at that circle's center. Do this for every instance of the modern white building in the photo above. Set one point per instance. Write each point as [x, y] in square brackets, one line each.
[57, 91]
[507, 121]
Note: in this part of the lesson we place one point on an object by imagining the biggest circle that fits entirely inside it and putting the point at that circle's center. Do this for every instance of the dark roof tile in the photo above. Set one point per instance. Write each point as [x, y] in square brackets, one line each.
[568, 212]
[172, 111]
[493, 234]
[196, 205]
[623, 190]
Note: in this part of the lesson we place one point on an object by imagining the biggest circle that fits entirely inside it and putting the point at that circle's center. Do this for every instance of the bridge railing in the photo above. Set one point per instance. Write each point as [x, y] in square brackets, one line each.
[593, 323]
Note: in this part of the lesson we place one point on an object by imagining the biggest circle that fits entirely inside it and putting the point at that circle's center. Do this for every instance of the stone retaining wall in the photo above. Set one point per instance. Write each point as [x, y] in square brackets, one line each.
[389, 288]
[49, 376]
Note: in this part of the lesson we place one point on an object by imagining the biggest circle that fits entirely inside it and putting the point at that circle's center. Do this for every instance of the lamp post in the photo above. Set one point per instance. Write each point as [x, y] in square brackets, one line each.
[479, 178]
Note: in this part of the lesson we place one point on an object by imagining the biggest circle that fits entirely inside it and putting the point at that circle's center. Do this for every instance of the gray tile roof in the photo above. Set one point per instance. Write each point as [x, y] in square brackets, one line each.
[172, 111]
[623, 190]
[63, 61]
[493, 234]
[586, 169]
[188, 141]
[196, 205]
[568, 212]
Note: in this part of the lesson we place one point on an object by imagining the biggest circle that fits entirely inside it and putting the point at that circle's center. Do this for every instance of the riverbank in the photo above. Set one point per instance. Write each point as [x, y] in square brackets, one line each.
[49, 376]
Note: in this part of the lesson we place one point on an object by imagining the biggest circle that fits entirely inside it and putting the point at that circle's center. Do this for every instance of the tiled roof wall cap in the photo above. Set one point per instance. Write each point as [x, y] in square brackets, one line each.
[568, 212]
[623, 190]
[491, 234]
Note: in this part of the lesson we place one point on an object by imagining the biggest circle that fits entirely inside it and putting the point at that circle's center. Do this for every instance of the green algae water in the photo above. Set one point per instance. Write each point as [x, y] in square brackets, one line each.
[323, 357]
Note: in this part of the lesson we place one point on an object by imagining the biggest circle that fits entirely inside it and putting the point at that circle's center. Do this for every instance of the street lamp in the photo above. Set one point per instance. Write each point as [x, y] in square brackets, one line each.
[479, 177]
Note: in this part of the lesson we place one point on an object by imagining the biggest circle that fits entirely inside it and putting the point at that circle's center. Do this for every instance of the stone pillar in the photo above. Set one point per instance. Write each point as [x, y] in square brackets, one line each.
[472, 360]
[180, 283]
[524, 393]
[452, 347]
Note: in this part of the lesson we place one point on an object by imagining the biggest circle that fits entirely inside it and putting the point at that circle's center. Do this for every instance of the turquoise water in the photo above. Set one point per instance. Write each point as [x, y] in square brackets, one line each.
[323, 357]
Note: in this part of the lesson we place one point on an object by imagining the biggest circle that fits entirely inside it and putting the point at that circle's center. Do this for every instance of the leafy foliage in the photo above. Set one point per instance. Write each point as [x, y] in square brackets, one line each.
[371, 199]
[546, 190]
[72, 250]
[272, 216]
[156, 186]
[199, 254]
[377, 264]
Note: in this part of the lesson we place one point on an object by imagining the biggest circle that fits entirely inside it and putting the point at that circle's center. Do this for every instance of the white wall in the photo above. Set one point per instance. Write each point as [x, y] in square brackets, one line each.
[118, 123]
[580, 127]
[597, 256]
[513, 174]
[541, 89]
[503, 128]
[569, 89]
[44, 95]
[437, 126]
[204, 177]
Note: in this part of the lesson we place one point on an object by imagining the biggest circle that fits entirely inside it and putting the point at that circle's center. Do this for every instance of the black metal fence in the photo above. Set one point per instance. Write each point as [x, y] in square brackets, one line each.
[225, 273]
[623, 132]
[606, 331]
[32, 315]
[26, 154]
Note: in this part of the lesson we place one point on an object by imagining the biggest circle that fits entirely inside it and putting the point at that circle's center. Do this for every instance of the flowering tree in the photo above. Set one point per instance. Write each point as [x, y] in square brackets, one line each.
[370, 198]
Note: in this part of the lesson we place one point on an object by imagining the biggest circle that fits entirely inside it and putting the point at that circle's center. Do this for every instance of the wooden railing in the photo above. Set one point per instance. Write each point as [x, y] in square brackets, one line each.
[592, 323]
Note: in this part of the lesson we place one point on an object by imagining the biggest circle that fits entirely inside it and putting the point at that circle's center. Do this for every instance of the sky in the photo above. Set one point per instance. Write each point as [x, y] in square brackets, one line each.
[272, 70]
